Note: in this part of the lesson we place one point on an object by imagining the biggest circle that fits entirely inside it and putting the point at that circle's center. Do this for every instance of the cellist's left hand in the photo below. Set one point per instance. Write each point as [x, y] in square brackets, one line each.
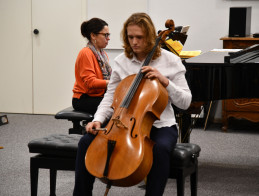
[152, 73]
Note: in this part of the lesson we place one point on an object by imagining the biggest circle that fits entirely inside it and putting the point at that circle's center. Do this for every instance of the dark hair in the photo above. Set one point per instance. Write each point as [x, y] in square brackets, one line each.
[94, 25]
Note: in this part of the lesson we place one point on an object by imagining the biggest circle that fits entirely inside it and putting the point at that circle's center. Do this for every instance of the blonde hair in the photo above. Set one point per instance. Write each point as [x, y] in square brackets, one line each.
[145, 23]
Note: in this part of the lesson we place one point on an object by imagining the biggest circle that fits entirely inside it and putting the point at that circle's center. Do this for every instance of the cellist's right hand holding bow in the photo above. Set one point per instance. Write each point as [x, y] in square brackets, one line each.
[93, 127]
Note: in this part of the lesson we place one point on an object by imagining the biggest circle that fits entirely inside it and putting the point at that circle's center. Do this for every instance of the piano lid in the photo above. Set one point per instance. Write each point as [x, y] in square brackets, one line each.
[250, 54]
[208, 58]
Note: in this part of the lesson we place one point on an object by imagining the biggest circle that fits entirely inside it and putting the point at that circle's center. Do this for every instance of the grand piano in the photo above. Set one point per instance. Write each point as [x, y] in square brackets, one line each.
[221, 75]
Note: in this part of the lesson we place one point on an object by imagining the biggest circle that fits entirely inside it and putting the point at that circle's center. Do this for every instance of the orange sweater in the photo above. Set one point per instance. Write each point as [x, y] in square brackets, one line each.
[88, 74]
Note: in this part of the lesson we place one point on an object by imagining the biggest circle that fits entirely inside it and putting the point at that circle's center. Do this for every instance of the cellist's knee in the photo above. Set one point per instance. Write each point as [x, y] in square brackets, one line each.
[165, 138]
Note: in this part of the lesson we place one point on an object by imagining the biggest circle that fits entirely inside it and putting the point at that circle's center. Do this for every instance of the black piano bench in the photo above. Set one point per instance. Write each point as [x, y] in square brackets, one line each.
[76, 117]
[184, 162]
[58, 152]
[54, 152]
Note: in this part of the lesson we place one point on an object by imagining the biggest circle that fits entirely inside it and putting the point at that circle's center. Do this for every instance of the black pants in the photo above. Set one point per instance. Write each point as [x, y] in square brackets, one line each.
[165, 139]
[86, 103]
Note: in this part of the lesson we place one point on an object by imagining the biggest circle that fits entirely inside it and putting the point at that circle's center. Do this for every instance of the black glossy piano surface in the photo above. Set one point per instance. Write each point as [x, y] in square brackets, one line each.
[210, 78]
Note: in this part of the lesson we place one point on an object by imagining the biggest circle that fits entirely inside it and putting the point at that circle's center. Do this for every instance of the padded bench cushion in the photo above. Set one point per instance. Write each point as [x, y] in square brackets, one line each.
[184, 154]
[66, 146]
[56, 144]
[71, 114]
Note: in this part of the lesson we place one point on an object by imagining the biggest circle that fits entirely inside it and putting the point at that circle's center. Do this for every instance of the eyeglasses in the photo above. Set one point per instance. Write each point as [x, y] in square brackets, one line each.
[106, 35]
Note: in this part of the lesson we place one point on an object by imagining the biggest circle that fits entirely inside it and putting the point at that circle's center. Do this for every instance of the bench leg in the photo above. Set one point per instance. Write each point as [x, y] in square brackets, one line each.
[77, 128]
[34, 173]
[180, 185]
[193, 181]
[53, 177]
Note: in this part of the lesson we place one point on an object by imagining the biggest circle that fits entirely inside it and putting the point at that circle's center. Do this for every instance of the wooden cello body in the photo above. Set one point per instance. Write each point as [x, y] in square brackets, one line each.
[129, 130]
[122, 154]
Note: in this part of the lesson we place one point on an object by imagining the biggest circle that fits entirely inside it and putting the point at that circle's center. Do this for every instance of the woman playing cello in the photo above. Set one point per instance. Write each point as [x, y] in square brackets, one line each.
[138, 38]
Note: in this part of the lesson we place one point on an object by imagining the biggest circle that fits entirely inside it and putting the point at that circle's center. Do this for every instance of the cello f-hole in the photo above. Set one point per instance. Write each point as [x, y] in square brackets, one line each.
[108, 131]
[131, 132]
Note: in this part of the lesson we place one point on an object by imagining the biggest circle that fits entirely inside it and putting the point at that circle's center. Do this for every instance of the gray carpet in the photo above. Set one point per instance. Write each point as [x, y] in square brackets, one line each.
[228, 163]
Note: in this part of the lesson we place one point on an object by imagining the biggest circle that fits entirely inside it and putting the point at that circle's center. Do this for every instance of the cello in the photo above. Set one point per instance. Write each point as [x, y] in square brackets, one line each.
[121, 155]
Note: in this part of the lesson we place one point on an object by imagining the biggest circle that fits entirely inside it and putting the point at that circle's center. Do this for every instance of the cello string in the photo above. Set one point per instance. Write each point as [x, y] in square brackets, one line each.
[132, 90]
[138, 78]
[150, 55]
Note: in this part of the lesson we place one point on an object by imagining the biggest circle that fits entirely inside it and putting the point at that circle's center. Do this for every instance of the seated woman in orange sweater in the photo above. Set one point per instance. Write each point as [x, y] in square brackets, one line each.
[92, 69]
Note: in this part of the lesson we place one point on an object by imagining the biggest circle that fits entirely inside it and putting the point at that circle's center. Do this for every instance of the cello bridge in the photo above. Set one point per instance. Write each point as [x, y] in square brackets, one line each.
[118, 123]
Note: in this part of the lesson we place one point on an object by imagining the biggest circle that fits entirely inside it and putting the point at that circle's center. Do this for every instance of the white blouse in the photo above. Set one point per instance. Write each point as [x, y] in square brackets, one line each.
[168, 65]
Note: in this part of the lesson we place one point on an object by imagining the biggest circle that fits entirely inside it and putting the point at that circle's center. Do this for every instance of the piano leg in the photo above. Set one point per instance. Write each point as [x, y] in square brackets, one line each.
[207, 117]
[224, 117]
[185, 120]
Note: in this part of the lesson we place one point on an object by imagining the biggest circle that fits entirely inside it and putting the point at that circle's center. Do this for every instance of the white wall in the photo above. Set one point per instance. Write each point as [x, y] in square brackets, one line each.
[119, 11]
[15, 56]
[208, 20]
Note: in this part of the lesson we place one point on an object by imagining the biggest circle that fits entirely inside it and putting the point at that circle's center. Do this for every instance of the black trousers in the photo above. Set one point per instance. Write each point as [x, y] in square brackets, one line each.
[165, 139]
[86, 103]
